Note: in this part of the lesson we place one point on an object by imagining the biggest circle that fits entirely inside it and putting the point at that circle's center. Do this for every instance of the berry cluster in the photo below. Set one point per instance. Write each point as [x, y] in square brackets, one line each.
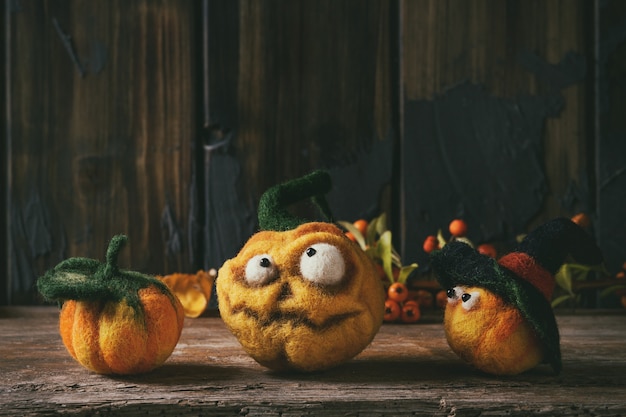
[399, 307]
[458, 231]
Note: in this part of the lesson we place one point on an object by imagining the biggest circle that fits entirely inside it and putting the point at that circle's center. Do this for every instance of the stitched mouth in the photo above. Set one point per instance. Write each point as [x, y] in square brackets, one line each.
[294, 318]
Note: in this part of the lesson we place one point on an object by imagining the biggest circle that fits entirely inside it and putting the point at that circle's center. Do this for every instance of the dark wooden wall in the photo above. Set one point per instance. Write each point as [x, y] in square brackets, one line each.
[101, 126]
[496, 103]
[166, 120]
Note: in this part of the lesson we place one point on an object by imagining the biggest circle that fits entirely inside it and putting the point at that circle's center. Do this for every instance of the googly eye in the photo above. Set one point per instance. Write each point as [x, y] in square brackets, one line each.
[453, 294]
[260, 270]
[322, 264]
[469, 300]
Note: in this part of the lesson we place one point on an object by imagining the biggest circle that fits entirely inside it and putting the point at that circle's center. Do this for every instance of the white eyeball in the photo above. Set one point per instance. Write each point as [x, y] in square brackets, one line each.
[469, 299]
[261, 270]
[322, 264]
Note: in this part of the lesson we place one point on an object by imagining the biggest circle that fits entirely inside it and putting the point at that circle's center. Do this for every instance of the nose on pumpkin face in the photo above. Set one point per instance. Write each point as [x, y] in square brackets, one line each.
[285, 292]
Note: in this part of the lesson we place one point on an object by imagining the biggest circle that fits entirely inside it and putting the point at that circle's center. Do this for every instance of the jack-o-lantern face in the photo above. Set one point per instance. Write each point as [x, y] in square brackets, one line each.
[305, 299]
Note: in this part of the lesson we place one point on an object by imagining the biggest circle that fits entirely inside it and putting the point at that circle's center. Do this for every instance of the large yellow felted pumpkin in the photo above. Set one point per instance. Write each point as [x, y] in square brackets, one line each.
[113, 321]
[305, 298]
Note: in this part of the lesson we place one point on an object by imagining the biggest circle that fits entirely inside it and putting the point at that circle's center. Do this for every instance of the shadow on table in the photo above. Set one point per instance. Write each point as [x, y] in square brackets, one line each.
[181, 374]
[383, 371]
[411, 372]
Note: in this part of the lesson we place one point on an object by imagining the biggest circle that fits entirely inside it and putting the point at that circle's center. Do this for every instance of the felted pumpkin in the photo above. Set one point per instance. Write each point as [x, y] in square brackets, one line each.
[113, 321]
[301, 296]
[499, 317]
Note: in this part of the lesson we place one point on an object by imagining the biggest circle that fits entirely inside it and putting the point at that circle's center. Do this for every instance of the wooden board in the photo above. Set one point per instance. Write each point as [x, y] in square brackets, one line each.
[292, 87]
[102, 123]
[407, 370]
[495, 116]
[110, 108]
[610, 150]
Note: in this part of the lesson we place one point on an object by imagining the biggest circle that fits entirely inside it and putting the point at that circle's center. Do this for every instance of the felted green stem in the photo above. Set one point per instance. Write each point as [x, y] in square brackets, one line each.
[273, 213]
[115, 246]
[84, 279]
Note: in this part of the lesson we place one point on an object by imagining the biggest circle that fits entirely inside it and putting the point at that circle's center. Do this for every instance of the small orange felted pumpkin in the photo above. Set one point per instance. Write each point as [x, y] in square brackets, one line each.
[300, 298]
[113, 321]
[498, 315]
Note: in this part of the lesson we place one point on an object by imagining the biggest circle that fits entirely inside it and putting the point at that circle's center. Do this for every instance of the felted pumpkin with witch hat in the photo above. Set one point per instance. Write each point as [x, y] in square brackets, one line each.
[499, 317]
[300, 295]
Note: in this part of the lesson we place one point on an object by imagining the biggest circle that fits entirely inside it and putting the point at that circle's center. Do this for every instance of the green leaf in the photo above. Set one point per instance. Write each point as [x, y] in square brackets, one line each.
[563, 278]
[579, 272]
[381, 224]
[355, 232]
[405, 271]
[441, 239]
[560, 299]
[610, 290]
[371, 235]
[384, 252]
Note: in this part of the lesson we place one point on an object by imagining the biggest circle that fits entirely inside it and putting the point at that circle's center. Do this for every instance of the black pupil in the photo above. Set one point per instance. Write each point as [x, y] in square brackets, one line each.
[465, 297]
[265, 263]
[310, 252]
[450, 293]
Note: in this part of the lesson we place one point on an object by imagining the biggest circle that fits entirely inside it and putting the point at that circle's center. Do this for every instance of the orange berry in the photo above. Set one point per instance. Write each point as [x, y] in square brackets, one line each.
[392, 311]
[620, 275]
[361, 224]
[424, 298]
[488, 249]
[458, 228]
[442, 298]
[350, 236]
[430, 244]
[582, 219]
[398, 292]
[410, 312]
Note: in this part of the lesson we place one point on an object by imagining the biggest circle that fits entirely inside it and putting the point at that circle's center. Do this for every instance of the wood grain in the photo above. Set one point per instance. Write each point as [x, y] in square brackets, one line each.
[314, 85]
[407, 370]
[611, 133]
[102, 127]
[514, 50]
[109, 104]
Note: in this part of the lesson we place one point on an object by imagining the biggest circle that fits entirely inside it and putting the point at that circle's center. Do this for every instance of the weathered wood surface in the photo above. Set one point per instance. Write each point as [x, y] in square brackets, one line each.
[611, 129]
[101, 99]
[496, 116]
[407, 370]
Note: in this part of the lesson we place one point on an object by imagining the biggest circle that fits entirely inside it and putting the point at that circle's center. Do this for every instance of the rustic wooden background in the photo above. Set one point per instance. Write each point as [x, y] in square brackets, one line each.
[166, 120]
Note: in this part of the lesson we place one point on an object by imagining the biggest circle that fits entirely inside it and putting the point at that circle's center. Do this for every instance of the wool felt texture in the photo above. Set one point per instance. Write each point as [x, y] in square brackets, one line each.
[113, 321]
[522, 280]
[273, 212]
[491, 335]
[303, 298]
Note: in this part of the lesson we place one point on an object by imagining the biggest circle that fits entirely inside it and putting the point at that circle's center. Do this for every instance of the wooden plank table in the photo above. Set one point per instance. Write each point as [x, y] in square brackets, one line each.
[407, 370]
